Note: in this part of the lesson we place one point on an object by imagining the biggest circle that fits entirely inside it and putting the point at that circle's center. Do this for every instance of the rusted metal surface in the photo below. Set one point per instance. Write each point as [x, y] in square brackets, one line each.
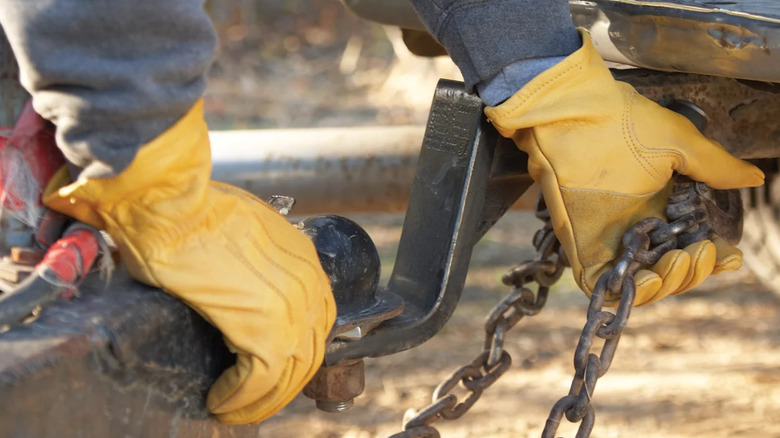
[742, 115]
[123, 360]
[726, 213]
[738, 38]
[282, 204]
[334, 388]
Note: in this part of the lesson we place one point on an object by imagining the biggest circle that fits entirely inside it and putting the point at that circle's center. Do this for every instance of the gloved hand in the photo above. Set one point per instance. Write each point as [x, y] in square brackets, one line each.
[604, 156]
[226, 254]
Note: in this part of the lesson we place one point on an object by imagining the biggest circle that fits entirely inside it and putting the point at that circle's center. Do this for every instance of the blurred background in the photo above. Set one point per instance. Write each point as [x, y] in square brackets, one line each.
[307, 63]
[704, 364]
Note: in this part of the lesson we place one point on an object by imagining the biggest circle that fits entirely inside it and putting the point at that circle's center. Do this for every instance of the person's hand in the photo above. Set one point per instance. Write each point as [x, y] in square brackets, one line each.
[226, 254]
[604, 156]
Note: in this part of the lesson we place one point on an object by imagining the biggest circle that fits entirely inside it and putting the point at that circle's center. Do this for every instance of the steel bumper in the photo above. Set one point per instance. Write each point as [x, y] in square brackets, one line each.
[737, 39]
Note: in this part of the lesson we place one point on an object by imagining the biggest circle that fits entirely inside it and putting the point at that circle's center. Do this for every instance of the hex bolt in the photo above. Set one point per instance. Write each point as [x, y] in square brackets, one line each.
[334, 388]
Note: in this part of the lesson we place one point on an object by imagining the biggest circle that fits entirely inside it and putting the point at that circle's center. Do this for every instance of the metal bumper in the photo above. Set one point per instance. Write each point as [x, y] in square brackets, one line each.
[702, 37]
[737, 39]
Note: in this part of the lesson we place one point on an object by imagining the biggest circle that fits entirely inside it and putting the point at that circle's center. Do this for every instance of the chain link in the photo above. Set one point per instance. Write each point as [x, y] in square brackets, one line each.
[643, 244]
[494, 361]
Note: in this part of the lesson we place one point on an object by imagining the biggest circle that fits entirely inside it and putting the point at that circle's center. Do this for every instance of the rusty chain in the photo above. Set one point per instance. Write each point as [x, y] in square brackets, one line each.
[643, 244]
[494, 361]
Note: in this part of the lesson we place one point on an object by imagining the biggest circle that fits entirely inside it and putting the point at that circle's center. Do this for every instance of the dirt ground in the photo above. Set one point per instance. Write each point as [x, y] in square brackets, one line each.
[703, 364]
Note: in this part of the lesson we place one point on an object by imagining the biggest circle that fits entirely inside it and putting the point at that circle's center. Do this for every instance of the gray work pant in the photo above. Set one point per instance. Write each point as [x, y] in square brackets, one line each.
[110, 74]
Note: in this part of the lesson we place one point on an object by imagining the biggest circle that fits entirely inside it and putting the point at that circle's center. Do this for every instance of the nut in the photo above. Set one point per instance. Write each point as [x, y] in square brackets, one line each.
[335, 387]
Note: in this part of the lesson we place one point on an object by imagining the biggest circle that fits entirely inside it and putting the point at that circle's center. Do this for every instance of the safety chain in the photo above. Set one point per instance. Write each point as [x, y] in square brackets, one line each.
[644, 244]
[494, 361]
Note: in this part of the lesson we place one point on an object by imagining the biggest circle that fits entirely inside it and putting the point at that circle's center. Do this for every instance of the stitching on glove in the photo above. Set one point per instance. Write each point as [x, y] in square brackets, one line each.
[677, 255]
[282, 396]
[584, 282]
[282, 248]
[566, 210]
[267, 404]
[686, 285]
[697, 261]
[138, 259]
[654, 152]
[651, 298]
[629, 137]
[278, 266]
[506, 113]
[236, 252]
[645, 281]
[725, 264]
[241, 193]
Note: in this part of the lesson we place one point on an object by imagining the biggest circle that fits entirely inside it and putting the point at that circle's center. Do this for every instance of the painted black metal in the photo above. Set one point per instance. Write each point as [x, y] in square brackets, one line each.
[350, 258]
[467, 177]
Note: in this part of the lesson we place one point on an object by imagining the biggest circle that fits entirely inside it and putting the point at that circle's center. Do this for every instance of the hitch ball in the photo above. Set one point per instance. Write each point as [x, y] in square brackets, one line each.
[349, 257]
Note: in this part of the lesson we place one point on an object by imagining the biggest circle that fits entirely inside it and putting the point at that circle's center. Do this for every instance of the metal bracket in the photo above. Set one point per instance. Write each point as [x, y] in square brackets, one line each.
[467, 177]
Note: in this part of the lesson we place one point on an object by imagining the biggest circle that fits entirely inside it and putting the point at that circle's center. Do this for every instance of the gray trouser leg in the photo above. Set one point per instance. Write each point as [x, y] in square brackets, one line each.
[485, 36]
[110, 74]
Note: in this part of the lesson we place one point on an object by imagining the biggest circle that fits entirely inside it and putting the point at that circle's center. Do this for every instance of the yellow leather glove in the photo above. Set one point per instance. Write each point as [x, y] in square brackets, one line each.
[604, 155]
[228, 255]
